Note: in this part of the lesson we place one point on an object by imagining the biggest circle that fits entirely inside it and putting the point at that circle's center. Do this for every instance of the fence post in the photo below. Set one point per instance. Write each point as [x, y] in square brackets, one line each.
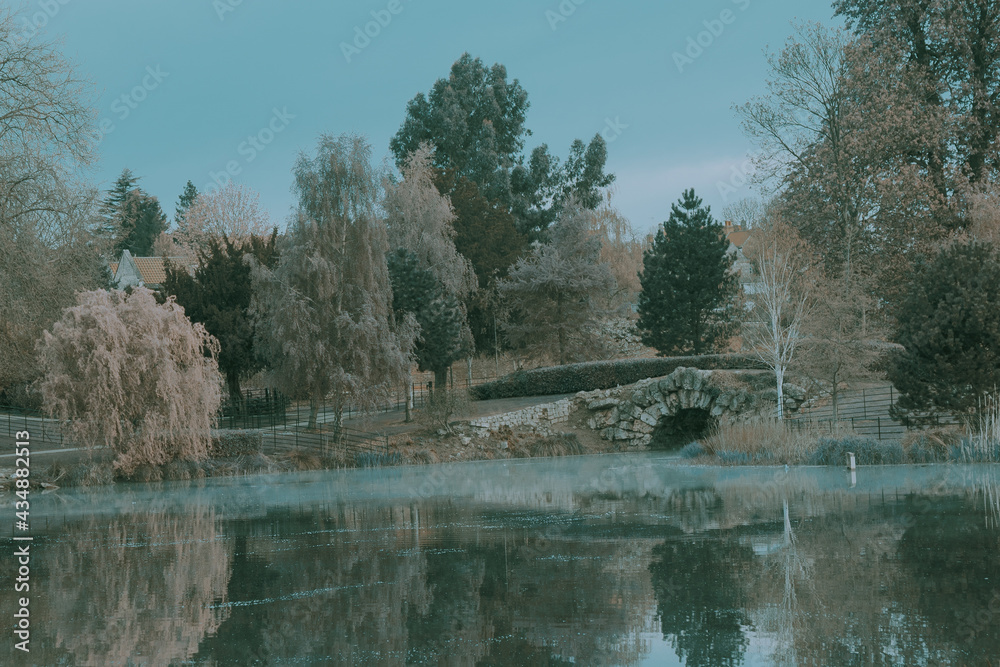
[864, 403]
[880, 428]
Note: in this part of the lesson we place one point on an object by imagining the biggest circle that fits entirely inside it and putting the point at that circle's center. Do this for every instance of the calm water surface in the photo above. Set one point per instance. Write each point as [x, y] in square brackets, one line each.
[609, 560]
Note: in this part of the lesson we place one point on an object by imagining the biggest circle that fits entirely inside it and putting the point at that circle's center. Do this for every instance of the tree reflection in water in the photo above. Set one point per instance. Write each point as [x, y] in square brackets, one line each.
[540, 570]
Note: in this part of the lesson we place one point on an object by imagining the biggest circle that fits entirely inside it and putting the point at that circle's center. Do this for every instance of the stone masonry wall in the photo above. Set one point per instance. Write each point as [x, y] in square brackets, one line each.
[541, 418]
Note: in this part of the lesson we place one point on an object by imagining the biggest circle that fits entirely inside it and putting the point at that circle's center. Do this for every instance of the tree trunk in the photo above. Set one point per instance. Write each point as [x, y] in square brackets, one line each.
[779, 376]
[440, 382]
[409, 396]
[314, 401]
[235, 395]
[836, 401]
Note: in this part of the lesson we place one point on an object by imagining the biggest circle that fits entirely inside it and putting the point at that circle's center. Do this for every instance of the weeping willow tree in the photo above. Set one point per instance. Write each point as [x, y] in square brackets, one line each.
[133, 375]
[325, 315]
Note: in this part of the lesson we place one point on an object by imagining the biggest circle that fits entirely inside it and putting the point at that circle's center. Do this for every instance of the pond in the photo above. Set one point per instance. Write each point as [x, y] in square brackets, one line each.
[602, 560]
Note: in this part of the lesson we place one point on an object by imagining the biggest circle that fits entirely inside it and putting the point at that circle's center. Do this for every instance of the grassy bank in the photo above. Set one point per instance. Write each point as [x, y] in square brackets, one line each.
[767, 441]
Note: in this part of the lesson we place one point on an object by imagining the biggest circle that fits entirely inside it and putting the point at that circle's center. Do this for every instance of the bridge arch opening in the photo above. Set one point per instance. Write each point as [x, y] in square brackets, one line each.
[685, 426]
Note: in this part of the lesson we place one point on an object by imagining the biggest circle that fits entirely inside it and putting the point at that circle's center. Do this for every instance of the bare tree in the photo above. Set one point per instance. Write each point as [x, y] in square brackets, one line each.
[421, 220]
[133, 375]
[47, 249]
[779, 298]
[748, 212]
[559, 292]
[232, 213]
[841, 339]
[325, 312]
[837, 133]
[621, 249]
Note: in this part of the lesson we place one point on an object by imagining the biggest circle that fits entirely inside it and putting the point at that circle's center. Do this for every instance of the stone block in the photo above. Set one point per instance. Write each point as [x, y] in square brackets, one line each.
[602, 403]
[639, 426]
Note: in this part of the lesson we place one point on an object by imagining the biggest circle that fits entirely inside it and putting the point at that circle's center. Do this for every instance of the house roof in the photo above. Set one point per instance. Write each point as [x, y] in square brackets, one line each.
[739, 237]
[152, 270]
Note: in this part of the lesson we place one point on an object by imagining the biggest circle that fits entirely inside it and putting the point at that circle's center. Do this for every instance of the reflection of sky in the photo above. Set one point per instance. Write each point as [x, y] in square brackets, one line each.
[759, 653]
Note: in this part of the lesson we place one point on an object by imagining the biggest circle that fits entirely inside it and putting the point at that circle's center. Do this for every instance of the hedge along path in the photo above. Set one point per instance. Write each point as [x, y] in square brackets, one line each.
[595, 375]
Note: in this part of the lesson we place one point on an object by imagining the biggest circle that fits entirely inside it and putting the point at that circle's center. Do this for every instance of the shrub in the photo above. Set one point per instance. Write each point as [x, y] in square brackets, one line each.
[692, 450]
[443, 407]
[227, 444]
[377, 459]
[304, 461]
[593, 375]
[564, 444]
[931, 445]
[743, 458]
[92, 473]
[867, 451]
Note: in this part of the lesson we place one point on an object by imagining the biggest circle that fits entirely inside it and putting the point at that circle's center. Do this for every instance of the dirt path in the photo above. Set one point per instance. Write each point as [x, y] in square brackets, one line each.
[394, 422]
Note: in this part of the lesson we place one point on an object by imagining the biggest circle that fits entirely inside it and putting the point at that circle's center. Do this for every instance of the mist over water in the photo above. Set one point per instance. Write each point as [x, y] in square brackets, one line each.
[605, 560]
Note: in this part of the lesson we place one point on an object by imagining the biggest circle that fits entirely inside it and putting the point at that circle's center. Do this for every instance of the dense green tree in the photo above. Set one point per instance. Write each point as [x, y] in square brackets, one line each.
[688, 287]
[184, 202]
[113, 202]
[543, 187]
[132, 219]
[485, 234]
[140, 221]
[949, 325]
[561, 292]
[444, 337]
[218, 295]
[475, 121]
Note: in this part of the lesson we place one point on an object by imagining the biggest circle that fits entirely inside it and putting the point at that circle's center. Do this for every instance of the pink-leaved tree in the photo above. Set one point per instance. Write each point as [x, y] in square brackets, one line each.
[132, 375]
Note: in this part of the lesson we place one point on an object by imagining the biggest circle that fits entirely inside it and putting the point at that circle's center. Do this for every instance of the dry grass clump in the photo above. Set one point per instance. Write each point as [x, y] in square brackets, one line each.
[761, 439]
[304, 461]
[933, 444]
[424, 456]
[563, 444]
[983, 446]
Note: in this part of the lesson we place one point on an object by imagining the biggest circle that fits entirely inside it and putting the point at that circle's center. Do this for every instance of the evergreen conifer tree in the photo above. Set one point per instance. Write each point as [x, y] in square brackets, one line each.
[184, 203]
[444, 338]
[689, 291]
[949, 325]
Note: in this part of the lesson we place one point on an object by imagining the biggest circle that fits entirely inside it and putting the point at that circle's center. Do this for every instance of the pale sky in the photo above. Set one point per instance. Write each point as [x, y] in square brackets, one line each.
[188, 87]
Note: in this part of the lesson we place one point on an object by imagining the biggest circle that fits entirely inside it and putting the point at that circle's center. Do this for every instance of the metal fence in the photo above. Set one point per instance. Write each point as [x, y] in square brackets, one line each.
[353, 443]
[865, 411]
[44, 431]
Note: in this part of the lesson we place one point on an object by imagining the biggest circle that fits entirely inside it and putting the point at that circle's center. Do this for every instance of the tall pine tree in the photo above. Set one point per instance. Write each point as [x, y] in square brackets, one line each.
[112, 204]
[140, 220]
[132, 219]
[689, 291]
[184, 203]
